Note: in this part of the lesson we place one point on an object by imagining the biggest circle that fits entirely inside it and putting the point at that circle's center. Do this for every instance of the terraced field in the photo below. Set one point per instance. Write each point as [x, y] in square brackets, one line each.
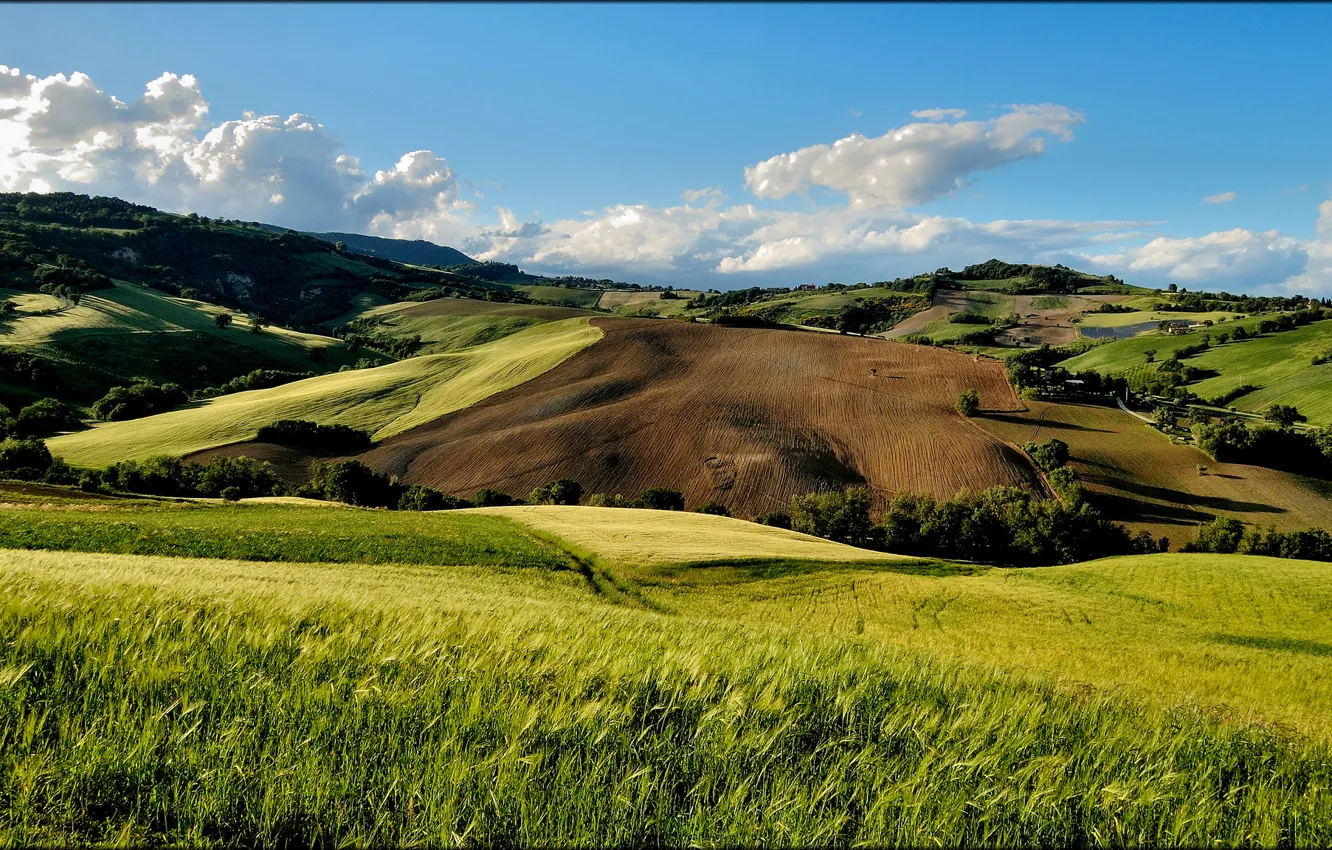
[1139, 477]
[385, 400]
[746, 417]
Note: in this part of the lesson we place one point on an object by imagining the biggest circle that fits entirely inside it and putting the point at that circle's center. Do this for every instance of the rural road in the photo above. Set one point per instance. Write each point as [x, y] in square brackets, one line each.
[1122, 407]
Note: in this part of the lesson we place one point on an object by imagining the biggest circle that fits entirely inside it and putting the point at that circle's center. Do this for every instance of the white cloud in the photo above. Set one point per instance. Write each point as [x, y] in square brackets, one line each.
[1225, 257]
[1221, 198]
[64, 133]
[939, 114]
[914, 163]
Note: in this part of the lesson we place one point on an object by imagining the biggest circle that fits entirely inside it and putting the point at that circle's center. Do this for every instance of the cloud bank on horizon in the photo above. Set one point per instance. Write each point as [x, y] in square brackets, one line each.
[61, 133]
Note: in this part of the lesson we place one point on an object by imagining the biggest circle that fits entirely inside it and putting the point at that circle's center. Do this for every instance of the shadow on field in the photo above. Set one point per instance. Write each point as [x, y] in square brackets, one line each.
[1276, 644]
[1043, 423]
[1167, 494]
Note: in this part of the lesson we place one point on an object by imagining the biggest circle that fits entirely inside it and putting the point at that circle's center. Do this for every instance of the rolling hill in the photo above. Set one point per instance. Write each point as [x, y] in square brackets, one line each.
[746, 417]
[384, 400]
[114, 335]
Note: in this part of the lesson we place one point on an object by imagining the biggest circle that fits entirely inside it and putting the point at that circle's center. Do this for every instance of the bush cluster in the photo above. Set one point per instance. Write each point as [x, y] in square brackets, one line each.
[259, 379]
[1225, 536]
[1231, 441]
[141, 398]
[324, 439]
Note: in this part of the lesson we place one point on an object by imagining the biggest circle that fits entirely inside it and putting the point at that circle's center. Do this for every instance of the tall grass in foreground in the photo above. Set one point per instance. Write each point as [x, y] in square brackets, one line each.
[219, 702]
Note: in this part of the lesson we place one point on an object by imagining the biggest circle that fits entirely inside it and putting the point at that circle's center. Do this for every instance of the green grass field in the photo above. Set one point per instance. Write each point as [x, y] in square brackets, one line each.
[561, 295]
[192, 700]
[1120, 320]
[129, 309]
[452, 324]
[129, 331]
[385, 400]
[1280, 364]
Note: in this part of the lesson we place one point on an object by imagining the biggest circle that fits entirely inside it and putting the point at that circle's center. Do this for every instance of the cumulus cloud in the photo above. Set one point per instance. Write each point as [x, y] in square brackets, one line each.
[1220, 198]
[1224, 257]
[65, 133]
[914, 163]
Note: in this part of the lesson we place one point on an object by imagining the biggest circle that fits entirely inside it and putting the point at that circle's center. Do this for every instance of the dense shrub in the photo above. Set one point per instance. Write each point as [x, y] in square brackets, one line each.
[1222, 535]
[419, 497]
[968, 403]
[354, 483]
[714, 508]
[1313, 544]
[44, 418]
[660, 499]
[776, 519]
[1050, 455]
[327, 439]
[170, 476]
[259, 379]
[1230, 440]
[487, 498]
[563, 491]
[608, 500]
[1005, 525]
[142, 398]
[24, 459]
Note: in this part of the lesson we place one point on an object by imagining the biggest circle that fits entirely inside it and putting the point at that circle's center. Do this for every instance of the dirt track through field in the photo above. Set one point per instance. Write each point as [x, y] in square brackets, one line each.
[746, 417]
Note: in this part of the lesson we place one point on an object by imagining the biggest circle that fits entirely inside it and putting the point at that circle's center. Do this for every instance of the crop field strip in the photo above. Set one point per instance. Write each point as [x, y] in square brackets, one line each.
[451, 324]
[275, 703]
[1137, 476]
[747, 417]
[384, 400]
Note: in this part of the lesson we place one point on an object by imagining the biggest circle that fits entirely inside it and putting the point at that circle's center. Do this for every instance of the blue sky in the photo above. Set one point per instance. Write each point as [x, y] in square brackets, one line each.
[549, 111]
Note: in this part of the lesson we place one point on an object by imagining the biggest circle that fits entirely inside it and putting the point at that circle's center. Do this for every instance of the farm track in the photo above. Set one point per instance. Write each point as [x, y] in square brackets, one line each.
[746, 417]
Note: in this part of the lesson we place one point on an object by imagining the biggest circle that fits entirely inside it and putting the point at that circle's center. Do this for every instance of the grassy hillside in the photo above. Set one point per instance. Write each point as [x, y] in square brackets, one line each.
[288, 277]
[385, 400]
[450, 324]
[746, 417]
[127, 331]
[188, 700]
[1279, 364]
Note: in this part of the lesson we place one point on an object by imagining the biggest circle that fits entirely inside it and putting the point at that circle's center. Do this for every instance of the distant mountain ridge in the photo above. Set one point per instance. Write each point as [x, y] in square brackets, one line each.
[417, 252]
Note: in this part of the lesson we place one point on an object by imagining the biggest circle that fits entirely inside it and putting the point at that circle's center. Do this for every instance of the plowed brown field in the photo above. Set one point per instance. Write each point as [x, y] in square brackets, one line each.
[746, 417]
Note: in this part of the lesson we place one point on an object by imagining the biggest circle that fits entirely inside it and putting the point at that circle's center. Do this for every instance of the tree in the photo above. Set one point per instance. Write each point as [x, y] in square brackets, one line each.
[1150, 354]
[340, 247]
[44, 418]
[968, 403]
[1222, 535]
[660, 499]
[257, 324]
[24, 459]
[1284, 415]
[714, 508]
[222, 319]
[562, 491]
[840, 515]
[354, 483]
